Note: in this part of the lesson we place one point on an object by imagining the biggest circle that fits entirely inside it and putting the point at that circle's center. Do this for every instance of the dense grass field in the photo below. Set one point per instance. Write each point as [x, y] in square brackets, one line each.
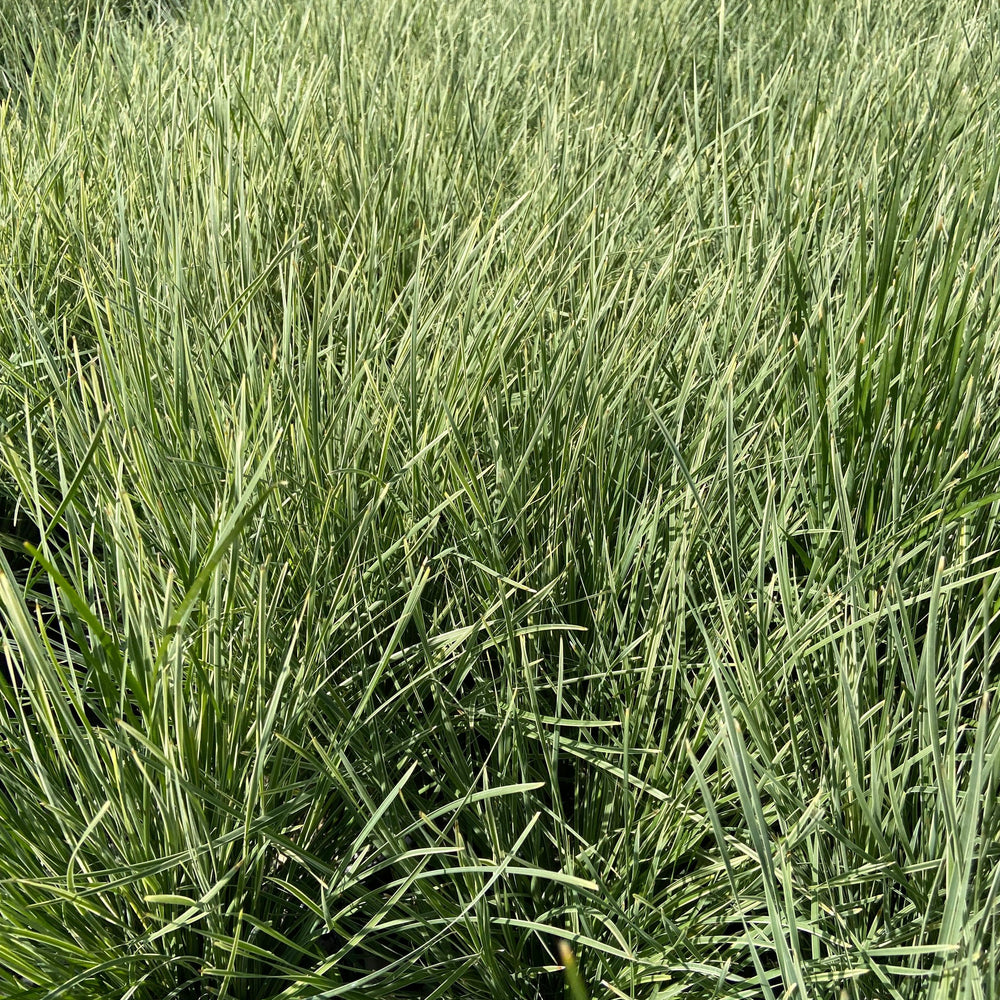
[476, 475]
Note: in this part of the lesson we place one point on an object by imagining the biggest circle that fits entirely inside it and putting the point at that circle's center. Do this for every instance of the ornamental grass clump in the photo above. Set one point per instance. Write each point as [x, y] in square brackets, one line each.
[499, 501]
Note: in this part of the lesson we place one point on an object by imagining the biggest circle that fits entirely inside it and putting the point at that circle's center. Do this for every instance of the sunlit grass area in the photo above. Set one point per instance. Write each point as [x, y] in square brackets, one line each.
[499, 500]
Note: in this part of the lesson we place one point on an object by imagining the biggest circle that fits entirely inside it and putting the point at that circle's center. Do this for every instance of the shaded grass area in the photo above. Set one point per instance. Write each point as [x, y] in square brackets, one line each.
[495, 474]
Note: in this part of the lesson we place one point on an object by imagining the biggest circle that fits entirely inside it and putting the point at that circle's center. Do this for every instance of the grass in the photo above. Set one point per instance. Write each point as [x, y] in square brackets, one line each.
[480, 476]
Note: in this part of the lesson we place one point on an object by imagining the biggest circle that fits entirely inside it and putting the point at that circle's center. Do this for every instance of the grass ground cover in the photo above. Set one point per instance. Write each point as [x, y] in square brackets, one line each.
[481, 475]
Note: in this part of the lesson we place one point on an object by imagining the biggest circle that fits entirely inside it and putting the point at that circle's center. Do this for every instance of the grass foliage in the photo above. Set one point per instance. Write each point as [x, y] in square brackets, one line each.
[479, 474]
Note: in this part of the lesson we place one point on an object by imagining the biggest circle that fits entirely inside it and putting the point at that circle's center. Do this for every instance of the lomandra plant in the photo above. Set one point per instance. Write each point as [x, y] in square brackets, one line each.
[498, 501]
